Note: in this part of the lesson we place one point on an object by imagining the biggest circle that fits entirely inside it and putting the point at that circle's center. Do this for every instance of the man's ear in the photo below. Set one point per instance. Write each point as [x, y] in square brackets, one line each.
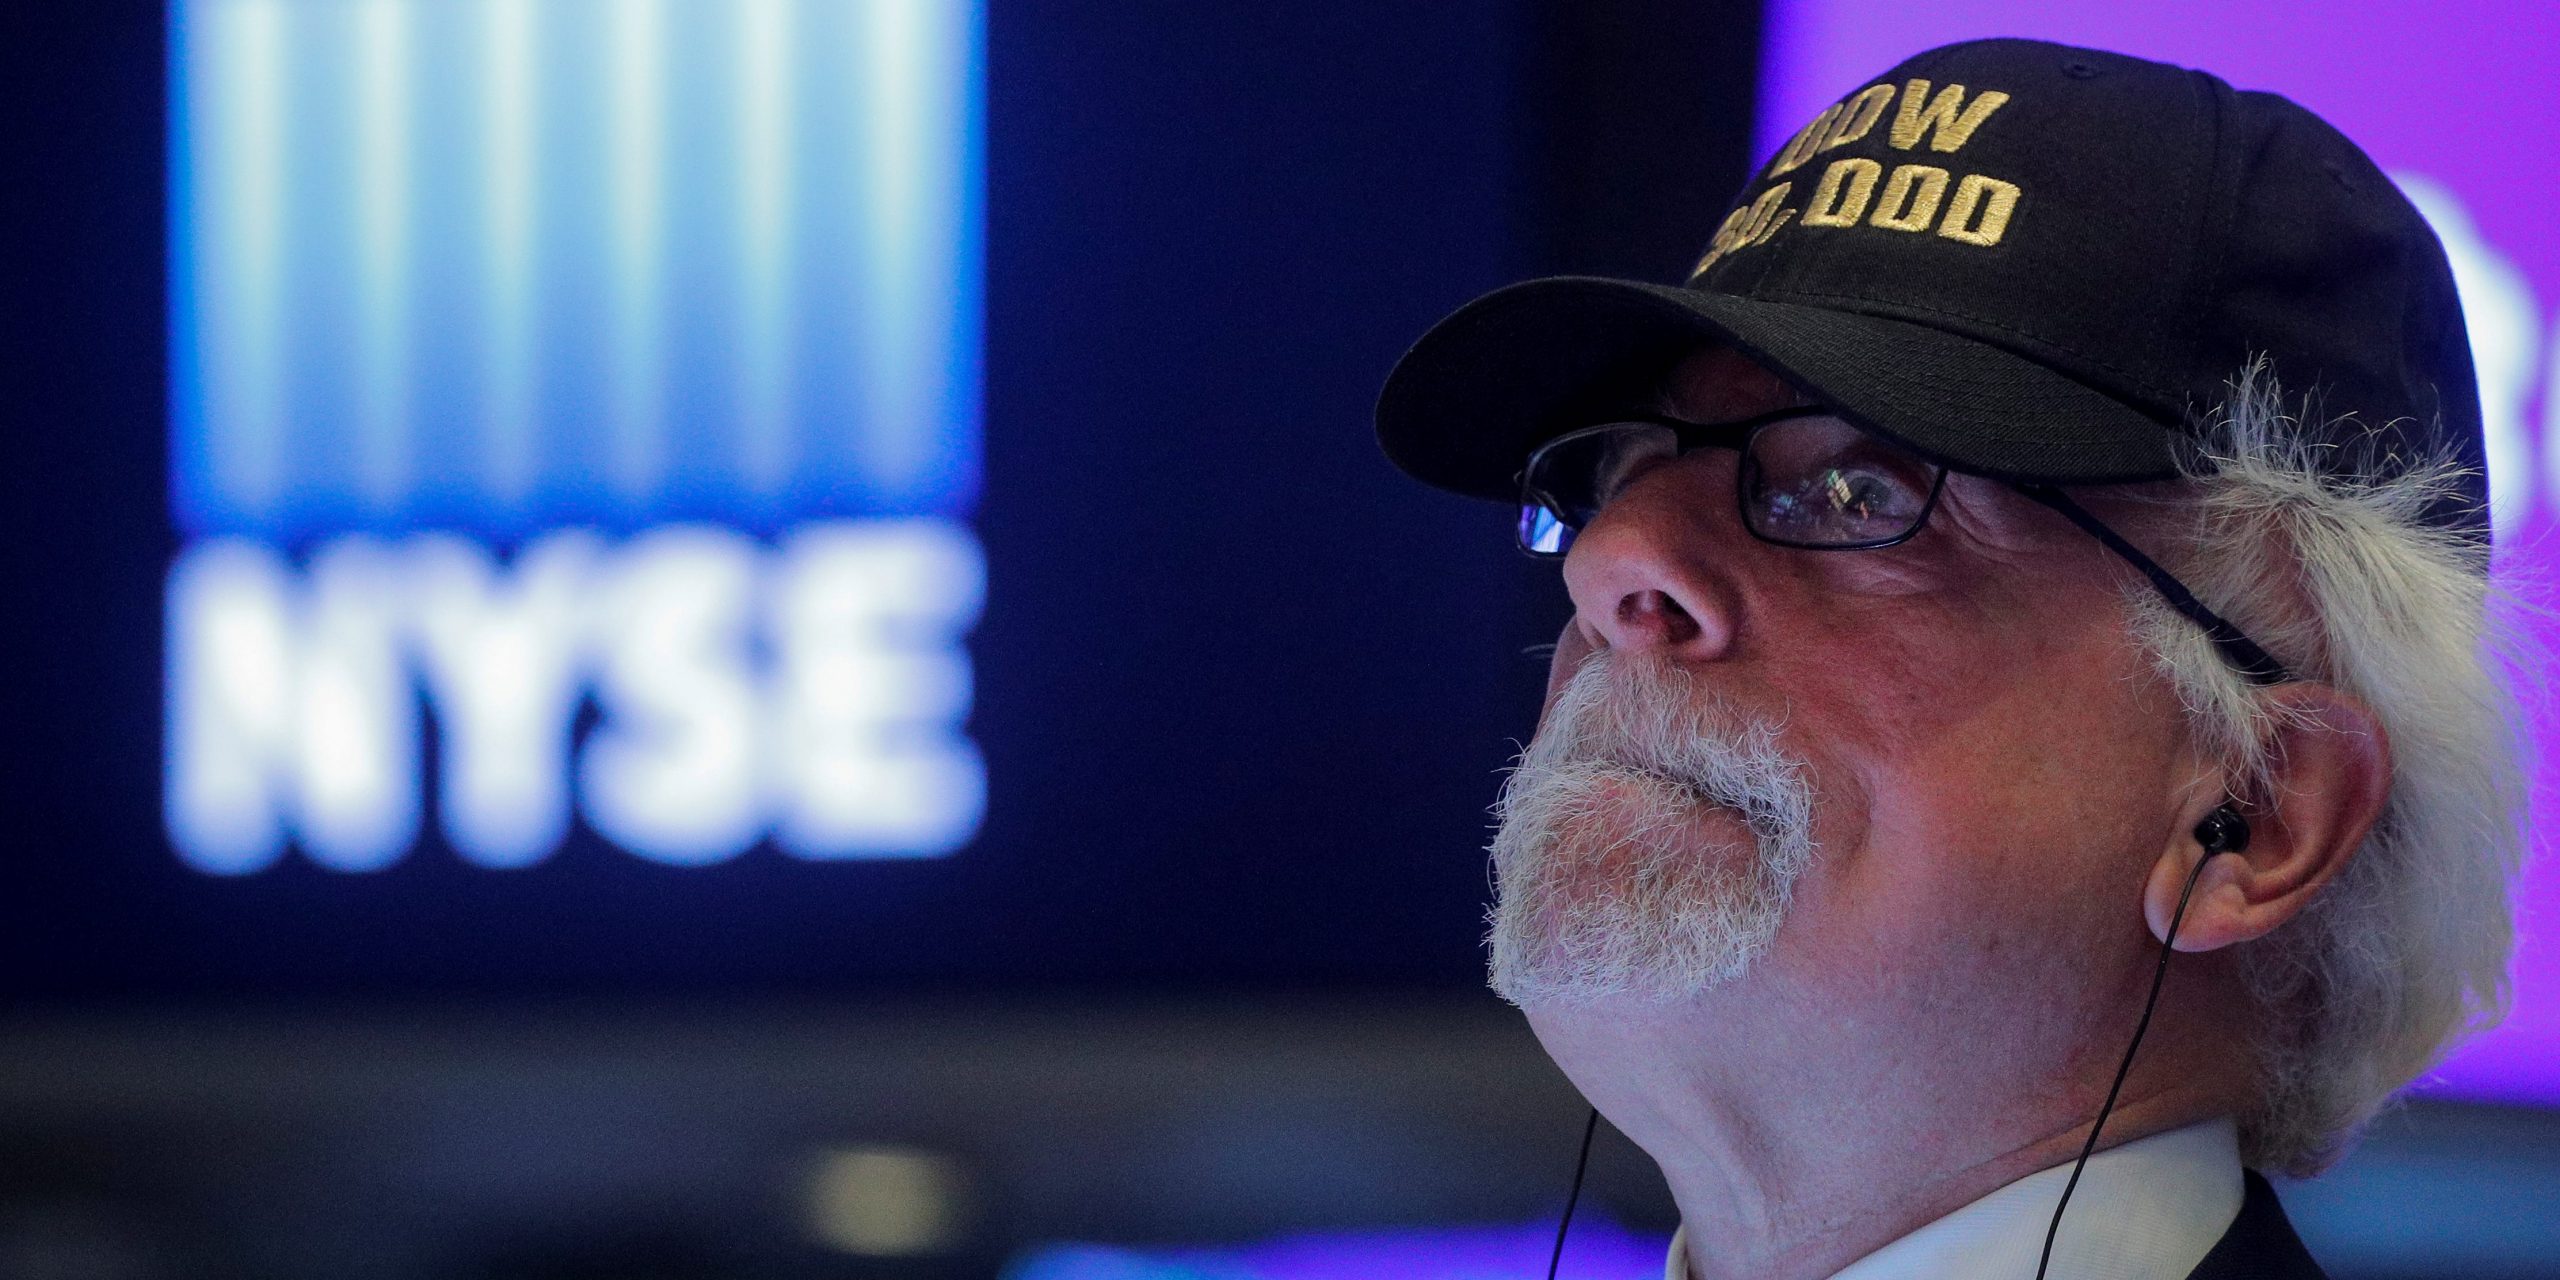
[2330, 777]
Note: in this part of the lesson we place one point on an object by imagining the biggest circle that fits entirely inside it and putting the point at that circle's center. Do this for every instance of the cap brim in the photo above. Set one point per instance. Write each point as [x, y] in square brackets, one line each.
[1520, 365]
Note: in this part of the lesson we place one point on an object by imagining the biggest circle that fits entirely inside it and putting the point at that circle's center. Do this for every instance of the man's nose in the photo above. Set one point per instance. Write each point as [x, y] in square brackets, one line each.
[1640, 579]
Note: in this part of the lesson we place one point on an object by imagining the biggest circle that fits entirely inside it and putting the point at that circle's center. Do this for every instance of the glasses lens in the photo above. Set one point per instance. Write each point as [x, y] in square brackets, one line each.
[1572, 476]
[1541, 533]
[1821, 482]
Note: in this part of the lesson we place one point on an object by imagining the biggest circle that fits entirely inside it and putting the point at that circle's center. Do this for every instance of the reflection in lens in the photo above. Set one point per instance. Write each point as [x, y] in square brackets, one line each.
[1541, 533]
[1822, 482]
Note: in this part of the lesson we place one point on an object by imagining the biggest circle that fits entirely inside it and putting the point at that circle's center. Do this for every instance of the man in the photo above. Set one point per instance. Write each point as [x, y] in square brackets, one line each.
[2048, 533]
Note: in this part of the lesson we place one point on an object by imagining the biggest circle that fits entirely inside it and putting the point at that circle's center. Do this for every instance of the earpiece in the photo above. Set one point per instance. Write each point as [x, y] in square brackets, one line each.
[2223, 831]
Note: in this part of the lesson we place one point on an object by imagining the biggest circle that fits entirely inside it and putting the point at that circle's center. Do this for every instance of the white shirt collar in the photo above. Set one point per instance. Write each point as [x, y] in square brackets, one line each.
[2148, 1210]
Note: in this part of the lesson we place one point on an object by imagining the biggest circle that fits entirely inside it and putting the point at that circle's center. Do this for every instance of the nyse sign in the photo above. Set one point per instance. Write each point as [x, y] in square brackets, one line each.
[574, 424]
[813, 691]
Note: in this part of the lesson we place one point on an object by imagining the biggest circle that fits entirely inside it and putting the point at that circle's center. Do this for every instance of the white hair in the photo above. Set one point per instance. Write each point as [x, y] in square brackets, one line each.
[2405, 952]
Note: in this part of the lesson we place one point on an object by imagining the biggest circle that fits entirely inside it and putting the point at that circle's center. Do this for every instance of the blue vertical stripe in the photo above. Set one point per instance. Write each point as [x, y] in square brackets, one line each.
[509, 54]
[321, 276]
[765, 144]
[636, 128]
[230, 59]
[964, 366]
[440, 432]
[573, 297]
[702, 285]
[915, 63]
[380, 157]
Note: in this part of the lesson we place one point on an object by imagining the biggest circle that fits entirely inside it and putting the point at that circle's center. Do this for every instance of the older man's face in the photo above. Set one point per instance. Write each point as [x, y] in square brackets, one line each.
[1986, 765]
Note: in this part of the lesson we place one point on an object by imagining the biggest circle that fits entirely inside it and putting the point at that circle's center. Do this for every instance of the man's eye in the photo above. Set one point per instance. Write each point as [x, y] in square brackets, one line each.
[1846, 502]
[1864, 495]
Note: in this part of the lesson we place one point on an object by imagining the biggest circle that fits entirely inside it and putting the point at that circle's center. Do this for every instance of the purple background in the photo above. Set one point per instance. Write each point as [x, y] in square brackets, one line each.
[1598, 1250]
[2457, 91]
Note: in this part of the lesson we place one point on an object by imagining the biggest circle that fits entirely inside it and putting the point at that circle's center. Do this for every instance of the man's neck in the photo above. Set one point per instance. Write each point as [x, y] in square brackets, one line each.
[1813, 1229]
[2156, 1207]
[1789, 1163]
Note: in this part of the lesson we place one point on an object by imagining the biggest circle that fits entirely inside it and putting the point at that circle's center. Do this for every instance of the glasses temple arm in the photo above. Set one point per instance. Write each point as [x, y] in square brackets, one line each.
[2239, 650]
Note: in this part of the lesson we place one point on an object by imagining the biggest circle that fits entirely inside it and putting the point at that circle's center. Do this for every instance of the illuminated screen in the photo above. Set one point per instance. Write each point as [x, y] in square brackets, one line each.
[761, 496]
[575, 420]
[2452, 98]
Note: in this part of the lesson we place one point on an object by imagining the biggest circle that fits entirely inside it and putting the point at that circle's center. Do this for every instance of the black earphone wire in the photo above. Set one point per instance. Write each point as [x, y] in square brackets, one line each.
[2160, 974]
[1581, 1164]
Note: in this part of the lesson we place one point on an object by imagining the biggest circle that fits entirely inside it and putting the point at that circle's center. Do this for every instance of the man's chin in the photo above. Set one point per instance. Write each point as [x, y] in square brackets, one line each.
[1657, 912]
[1571, 991]
[1595, 961]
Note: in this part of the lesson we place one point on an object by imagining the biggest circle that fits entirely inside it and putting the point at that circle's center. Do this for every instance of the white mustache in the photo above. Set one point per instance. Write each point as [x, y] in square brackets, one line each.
[1601, 888]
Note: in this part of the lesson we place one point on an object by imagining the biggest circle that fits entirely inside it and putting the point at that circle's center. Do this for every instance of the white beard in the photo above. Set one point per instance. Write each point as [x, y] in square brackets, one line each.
[1609, 878]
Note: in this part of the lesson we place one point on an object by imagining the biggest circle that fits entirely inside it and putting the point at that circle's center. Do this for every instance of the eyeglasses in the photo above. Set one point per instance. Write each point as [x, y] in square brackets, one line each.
[1812, 480]
[1809, 479]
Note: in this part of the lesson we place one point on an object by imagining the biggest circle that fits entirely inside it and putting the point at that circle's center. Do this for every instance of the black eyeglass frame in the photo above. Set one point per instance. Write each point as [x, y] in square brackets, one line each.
[2246, 656]
[1689, 437]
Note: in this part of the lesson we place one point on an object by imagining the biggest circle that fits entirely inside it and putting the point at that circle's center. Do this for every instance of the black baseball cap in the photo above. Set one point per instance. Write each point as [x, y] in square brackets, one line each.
[2024, 260]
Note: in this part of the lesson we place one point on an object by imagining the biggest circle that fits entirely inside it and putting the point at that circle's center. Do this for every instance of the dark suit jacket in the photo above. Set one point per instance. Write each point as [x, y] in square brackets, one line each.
[2260, 1245]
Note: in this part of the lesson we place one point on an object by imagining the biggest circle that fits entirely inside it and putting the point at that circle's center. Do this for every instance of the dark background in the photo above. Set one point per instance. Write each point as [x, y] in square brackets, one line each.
[1211, 972]
[1243, 689]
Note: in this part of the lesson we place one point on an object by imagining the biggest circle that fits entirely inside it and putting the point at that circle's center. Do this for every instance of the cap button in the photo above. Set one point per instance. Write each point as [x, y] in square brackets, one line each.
[2078, 70]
